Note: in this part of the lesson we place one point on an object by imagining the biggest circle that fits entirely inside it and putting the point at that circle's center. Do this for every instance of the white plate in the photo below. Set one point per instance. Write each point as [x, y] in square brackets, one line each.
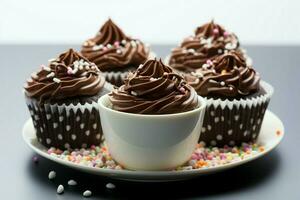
[268, 138]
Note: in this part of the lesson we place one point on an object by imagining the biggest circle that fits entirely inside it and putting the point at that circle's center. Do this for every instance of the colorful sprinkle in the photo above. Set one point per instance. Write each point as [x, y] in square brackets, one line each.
[216, 31]
[202, 157]
[35, 159]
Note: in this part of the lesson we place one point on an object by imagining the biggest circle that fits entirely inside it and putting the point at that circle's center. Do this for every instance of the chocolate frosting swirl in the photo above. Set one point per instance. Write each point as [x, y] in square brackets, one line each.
[209, 41]
[112, 50]
[70, 75]
[226, 76]
[154, 89]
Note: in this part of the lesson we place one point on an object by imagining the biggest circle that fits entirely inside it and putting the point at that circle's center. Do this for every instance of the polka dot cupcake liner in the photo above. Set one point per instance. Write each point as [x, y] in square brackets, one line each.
[234, 122]
[116, 78]
[66, 126]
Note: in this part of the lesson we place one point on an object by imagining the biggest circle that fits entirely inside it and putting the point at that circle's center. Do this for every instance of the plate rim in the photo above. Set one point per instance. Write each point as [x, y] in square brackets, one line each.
[153, 175]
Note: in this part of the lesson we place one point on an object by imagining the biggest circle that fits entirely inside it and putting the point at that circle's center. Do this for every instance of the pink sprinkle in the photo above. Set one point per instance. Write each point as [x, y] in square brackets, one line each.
[209, 157]
[226, 34]
[50, 151]
[216, 31]
[209, 62]
[223, 157]
[104, 48]
[35, 159]
[117, 44]
[70, 71]
[182, 90]
[195, 157]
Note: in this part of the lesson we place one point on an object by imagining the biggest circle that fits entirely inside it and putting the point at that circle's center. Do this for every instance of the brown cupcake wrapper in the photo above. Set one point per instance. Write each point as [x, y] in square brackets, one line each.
[66, 126]
[234, 122]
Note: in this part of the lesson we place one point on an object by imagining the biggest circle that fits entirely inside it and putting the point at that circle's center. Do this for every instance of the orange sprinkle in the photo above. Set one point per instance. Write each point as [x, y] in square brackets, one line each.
[261, 149]
[278, 132]
[223, 71]
[201, 163]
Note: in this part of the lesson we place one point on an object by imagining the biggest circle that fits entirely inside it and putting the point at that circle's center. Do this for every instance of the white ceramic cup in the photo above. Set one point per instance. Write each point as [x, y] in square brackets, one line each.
[150, 142]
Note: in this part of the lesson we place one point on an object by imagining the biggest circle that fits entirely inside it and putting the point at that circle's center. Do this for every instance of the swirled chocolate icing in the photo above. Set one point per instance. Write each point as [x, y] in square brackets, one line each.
[209, 41]
[70, 75]
[226, 76]
[154, 89]
[112, 50]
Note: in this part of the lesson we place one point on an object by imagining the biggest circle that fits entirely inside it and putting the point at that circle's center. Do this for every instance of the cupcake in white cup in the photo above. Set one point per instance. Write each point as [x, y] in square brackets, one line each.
[153, 121]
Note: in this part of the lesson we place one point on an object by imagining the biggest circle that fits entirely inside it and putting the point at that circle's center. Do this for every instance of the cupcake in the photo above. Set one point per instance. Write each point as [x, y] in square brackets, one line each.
[62, 97]
[153, 121]
[236, 99]
[115, 53]
[209, 41]
[154, 89]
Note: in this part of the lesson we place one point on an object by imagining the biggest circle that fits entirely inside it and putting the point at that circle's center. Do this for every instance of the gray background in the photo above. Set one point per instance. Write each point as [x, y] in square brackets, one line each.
[275, 176]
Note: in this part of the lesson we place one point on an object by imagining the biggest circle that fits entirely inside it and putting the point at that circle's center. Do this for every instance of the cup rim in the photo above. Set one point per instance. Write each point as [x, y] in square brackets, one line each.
[201, 103]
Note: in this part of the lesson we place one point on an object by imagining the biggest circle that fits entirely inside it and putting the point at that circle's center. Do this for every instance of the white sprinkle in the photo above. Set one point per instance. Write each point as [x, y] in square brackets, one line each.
[230, 88]
[110, 186]
[203, 130]
[50, 75]
[197, 74]
[67, 145]
[77, 119]
[191, 50]
[48, 116]
[96, 48]
[229, 132]
[80, 67]
[123, 42]
[56, 80]
[133, 43]
[52, 175]
[153, 79]
[52, 59]
[222, 83]
[61, 118]
[109, 46]
[60, 189]
[140, 66]
[220, 51]
[87, 193]
[72, 182]
[133, 93]
[119, 51]
[205, 66]
[87, 132]
[87, 67]
[48, 69]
